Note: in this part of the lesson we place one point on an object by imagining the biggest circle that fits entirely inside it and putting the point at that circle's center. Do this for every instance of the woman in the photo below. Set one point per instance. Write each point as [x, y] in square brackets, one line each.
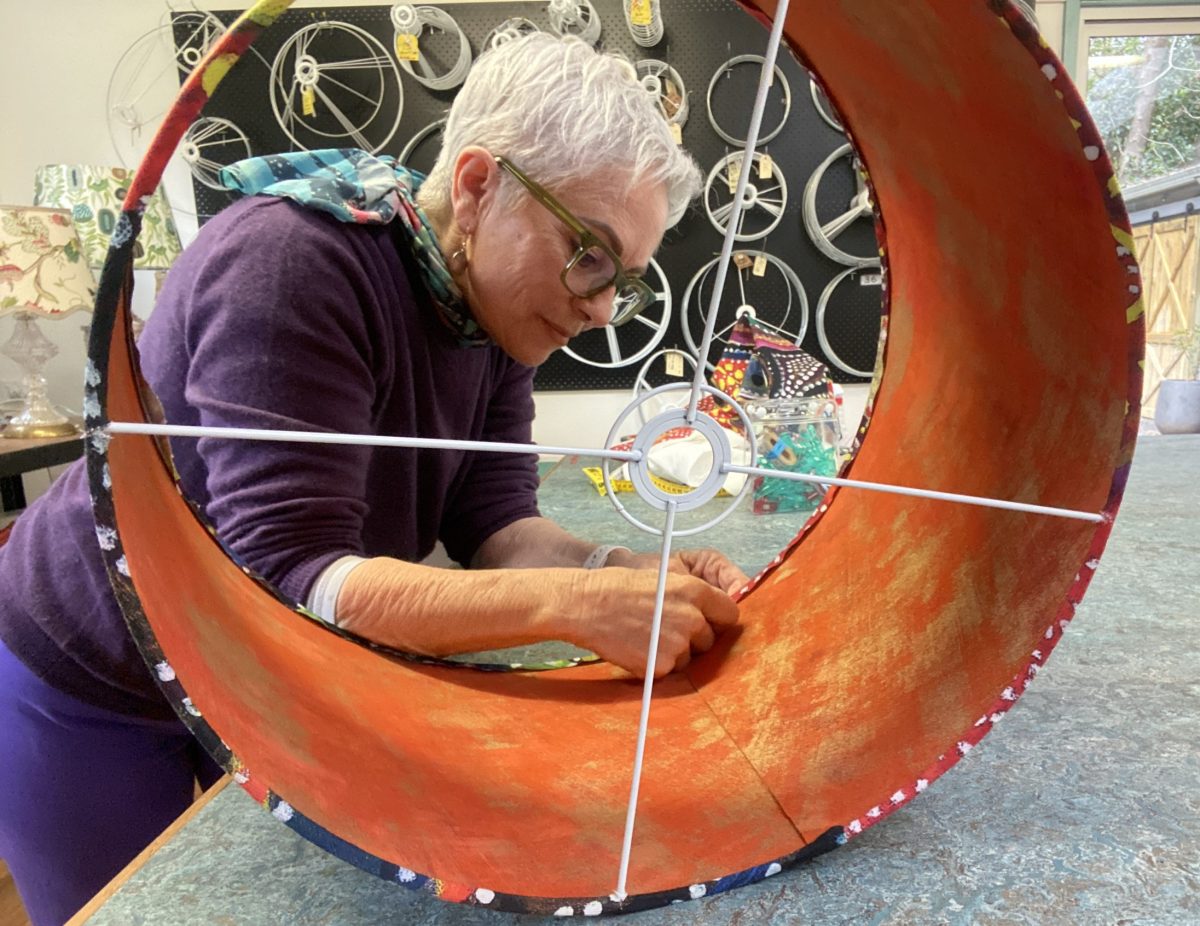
[304, 309]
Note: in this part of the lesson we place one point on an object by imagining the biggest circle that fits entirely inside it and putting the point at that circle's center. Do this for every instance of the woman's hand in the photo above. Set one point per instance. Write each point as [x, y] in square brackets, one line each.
[612, 609]
[440, 612]
[710, 565]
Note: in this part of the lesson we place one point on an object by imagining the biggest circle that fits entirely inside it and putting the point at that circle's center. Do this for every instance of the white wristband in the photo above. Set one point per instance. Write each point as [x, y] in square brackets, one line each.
[599, 556]
[323, 596]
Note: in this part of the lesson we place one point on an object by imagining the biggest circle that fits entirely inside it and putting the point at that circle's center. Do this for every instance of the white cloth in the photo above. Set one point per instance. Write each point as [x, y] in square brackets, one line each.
[688, 460]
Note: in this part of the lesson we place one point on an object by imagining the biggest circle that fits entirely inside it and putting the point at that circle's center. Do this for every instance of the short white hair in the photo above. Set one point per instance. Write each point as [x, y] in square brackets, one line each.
[562, 112]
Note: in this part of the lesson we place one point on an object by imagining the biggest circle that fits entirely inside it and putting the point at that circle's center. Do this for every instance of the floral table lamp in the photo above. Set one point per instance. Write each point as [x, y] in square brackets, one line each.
[42, 272]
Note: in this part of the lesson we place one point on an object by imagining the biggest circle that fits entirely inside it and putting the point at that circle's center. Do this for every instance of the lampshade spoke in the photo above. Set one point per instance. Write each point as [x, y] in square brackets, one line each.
[354, 64]
[427, 70]
[348, 88]
[835, 227]
[722, 212]
[288, 116]
[772, 206]
[733, 226]
[351, 129]
[614, 349]
[362, 440]
[978, 500]
[206, 132]
[303, 42]
[724, 331]
[639, 753]
[205, 25]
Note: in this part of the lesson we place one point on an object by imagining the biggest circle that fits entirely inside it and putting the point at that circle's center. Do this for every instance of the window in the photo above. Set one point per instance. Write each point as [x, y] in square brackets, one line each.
[1140, 70]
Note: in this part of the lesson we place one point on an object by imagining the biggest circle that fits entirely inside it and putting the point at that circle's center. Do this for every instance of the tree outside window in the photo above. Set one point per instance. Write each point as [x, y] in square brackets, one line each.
[1144, 93]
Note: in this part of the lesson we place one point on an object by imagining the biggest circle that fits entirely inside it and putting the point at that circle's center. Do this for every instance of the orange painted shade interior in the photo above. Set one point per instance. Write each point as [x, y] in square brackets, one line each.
[889, 630]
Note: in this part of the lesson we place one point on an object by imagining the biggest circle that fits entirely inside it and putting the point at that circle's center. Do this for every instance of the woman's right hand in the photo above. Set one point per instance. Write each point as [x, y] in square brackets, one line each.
[610, 612]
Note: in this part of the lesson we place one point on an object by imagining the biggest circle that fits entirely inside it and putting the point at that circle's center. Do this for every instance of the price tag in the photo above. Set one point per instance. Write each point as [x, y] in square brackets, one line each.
[735, 171]
[308, 101]
[742, 260]
[639, 12]
[674, 364]
[871, 279]
[766, 167]
[677, 133]
[760, 265]
[406, 47]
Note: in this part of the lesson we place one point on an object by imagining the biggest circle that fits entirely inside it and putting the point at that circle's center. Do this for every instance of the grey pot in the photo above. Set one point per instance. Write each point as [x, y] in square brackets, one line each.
[1178, 408]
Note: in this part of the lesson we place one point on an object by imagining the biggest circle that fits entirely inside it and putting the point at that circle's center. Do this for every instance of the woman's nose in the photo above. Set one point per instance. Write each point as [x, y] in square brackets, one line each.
[598, 309]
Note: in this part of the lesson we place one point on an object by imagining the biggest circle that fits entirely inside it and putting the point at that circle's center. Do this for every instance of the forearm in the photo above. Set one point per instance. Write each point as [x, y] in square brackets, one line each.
[439, 612]
[531, 543]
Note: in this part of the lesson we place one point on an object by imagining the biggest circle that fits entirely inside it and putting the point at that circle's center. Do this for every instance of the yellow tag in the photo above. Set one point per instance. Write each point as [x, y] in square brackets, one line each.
[735, 171]
[406, 47]
[766, 167]
[760, 265]
[742, 260]
[674, 364]
[639, 12]
[308, 101]
[677, 133]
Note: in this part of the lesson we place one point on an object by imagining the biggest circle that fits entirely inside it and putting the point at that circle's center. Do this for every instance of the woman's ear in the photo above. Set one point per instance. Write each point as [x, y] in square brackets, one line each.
[473, 186]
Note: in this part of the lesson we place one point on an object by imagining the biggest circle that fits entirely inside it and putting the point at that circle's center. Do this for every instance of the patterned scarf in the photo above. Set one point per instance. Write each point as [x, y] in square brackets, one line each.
[354, 186]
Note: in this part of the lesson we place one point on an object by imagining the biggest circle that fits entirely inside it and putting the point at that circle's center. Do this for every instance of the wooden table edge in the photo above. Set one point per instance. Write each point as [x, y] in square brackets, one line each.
[105, 894]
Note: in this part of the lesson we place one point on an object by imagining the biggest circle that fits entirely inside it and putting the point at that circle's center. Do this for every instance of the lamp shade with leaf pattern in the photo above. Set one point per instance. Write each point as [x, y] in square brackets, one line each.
[93, 196]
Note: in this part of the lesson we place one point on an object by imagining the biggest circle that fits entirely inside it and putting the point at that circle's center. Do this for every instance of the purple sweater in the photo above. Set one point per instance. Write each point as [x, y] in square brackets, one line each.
[281, 317]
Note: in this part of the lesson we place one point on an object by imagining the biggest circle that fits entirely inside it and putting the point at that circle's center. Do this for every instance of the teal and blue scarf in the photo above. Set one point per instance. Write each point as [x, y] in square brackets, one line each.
[354, 186]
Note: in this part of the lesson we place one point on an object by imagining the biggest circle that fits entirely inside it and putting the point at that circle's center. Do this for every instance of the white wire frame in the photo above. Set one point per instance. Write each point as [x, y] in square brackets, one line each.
[298, 67]
[784, 324]
[823, 233]
[431, 18]
[771, 201]
[205, 139]
[142, 82]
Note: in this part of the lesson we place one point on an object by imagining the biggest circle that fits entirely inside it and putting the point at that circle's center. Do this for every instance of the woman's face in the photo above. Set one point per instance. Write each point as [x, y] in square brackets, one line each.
[517, 255]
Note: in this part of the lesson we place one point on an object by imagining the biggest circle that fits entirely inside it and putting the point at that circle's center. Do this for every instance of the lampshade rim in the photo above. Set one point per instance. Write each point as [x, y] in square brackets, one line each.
[19, 309]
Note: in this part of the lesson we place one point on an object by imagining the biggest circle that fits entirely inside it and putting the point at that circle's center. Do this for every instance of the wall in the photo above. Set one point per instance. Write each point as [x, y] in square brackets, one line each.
[1050, 14]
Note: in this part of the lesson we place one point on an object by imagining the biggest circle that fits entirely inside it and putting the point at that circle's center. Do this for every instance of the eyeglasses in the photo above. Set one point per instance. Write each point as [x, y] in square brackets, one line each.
[594, 267]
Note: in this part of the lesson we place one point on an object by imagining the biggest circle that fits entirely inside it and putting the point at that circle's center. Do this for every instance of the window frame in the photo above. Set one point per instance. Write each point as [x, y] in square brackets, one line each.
[1085, 19]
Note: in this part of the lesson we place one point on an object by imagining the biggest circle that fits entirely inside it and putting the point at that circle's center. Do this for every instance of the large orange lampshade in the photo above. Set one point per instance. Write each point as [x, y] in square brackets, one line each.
[875, 651]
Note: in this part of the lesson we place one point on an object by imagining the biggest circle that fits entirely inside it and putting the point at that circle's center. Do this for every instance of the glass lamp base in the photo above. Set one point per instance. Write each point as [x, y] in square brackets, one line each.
[38, 419]
[16, 431]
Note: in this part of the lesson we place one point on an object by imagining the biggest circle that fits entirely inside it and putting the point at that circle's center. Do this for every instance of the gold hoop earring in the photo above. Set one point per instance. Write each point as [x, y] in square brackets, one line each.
[457, 262]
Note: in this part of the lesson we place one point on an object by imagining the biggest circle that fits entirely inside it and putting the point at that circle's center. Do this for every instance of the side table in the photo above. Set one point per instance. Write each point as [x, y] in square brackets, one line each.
[19, 456]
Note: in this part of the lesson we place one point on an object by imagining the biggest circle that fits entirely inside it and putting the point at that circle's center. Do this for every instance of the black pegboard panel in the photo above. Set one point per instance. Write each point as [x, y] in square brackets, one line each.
[700, 36]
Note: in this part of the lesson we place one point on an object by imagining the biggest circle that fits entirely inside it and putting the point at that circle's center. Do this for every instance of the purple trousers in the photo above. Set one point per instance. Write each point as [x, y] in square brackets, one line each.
[83, 790]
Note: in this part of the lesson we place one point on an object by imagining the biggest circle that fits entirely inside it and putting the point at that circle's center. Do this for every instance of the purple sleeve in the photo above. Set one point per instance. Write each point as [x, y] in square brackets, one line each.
[281, 332]
[499, 488]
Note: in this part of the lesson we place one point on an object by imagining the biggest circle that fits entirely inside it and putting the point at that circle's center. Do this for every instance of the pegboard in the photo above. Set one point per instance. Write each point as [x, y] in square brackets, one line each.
[699, 37]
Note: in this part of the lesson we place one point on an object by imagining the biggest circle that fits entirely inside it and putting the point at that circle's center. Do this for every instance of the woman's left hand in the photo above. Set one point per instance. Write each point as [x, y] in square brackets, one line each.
[710, 565]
